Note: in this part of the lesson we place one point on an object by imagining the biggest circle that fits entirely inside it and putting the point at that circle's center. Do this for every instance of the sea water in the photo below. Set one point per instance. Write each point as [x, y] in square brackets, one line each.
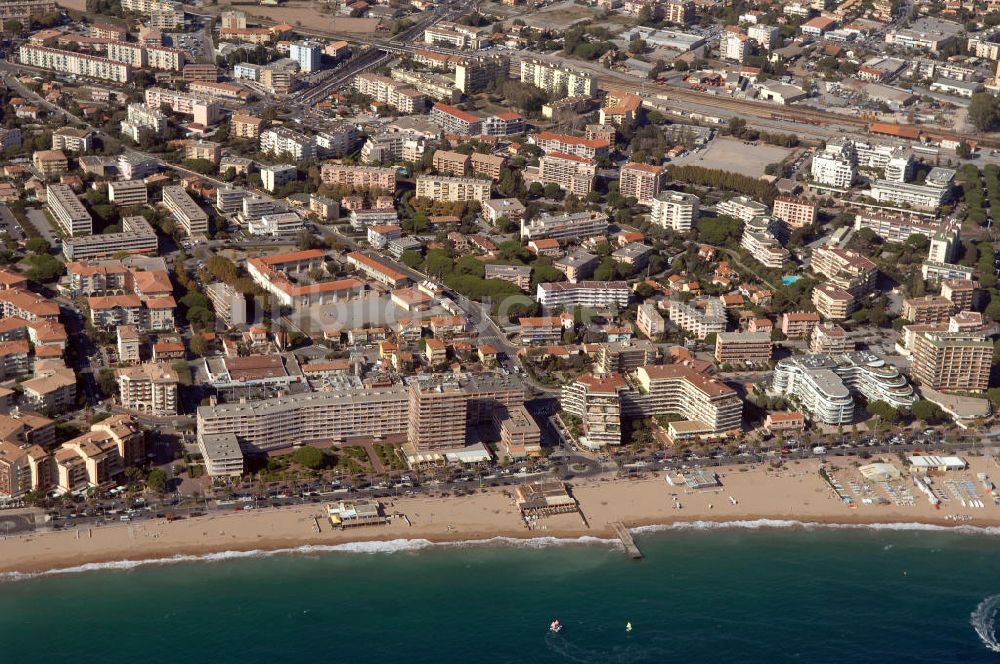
[749, 592]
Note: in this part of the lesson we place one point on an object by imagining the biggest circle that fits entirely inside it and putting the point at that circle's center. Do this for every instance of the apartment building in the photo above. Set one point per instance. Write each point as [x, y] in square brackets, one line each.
[824, 384]
[520, 436]
[442, 188]
[836, 165]
[132, 54]
[832, 303]
[185, 211]
[519, 275]
[309, 55]
[556, 79]
[952, 361]
[760, 239]
[244, 125]
[72, 139]
[71, 215]
[281, 141]
[743, 208]
[675, 210]
[230, 305]
[541, 330]
[829, 338]
[136, 237]
[927, 196]
[150, 389]
[593, 294]
[649, 321]
[451, 163]
[359, 177]
[127, 193]
[50, 163]
[795, 212]
[196, 71]
[70, 62]
[142, 118]
[895, 228]
[565, 226]
[400, 96]
[53, 388]
[743, 348]
[455, 35]
[698, 317]
[202, 108]
[577, 265]
[960, 292]
[572, 145]
[128, 344]
[798, 324]
[929, 309]
[573, 174]
[641, 181]
[596, 400]
[456, 121]
[846, 269]
[277, 175]
[18, 303]
[22, 10]
[735, 46]
[768, 37]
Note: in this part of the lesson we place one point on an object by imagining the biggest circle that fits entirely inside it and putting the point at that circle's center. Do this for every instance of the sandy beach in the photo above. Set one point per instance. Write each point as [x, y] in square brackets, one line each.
[795, 493]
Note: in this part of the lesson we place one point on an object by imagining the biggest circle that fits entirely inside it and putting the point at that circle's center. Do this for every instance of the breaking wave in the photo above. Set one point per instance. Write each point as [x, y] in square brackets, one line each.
[758, 524]
[984, 620]
[368, 547]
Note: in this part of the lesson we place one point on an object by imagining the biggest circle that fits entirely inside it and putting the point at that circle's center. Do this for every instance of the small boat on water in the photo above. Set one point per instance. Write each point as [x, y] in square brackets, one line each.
[555, 626]
[628, 627]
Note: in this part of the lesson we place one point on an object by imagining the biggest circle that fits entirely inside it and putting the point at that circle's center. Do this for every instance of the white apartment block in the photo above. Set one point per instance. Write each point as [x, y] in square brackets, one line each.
[400, 96]
[136, 237]
[556, 79]
[164, 58]
[309, 55]
[594, 294]
[69, 212]
[126, 193]
[836, 165]
[675, 210]
[649, 321]
[203, 109]
[150, 389]
[699, 317]
[766, 36]
[734, 46]
[438, 188]
[564, 226]
[743, 208]
[285, 142]
[141, 117]
[187, 213]
[68, 62]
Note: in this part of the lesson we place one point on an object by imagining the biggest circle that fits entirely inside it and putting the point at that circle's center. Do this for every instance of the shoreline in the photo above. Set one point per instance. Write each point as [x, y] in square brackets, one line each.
[757, 498]
[371, 545]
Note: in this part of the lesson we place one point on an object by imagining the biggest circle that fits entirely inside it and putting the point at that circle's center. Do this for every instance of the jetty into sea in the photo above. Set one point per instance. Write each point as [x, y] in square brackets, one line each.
[631, 550]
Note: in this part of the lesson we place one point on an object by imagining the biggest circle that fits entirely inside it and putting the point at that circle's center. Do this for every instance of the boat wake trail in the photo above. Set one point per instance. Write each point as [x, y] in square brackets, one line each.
[984, 620]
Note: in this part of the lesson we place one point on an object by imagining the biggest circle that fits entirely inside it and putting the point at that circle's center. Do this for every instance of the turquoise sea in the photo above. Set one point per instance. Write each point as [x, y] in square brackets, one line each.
[758, 594]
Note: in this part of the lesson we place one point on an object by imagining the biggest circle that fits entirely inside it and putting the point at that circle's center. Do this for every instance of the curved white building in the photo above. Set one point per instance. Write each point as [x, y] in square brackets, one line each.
[824, 383]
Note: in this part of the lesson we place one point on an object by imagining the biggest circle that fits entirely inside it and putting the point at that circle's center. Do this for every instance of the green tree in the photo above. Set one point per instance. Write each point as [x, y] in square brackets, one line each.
[157, 480]
[983, 111]
[927, 411]
[106, 382]
[310, 457]
[37, 245]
